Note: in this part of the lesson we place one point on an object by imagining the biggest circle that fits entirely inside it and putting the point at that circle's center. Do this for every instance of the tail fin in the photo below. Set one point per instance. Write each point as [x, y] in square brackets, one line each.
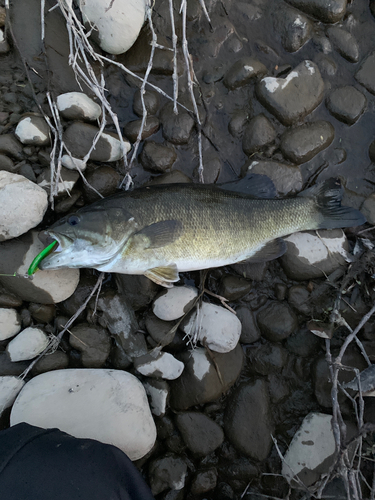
[327, 196]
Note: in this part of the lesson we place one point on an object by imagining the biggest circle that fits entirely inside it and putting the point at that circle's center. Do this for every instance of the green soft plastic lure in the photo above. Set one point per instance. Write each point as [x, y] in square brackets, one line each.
[35, 263]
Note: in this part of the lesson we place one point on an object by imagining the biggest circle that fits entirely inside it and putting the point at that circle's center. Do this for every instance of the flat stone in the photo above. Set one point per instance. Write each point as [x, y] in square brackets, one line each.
[243, 72]
[311, 451]
[92, 342]
[258, 134]
[10, 323]
[248, 421]
[294, 28]
[9, 390]
[158, 391]
[17, 192]
[302, 143]
[277, 321]
[174, 303]
[76, 401]
[159, 364]
[57, 360]
[366, 73]
[27, 345]
[234, 287]
[132, 129]
[294, 97]
[157, 157]
[310, 256]
[33, 129]
[201, 434]
[344, 42]
[287, 178]
[346, 104]
[78, 106]
[328, 12]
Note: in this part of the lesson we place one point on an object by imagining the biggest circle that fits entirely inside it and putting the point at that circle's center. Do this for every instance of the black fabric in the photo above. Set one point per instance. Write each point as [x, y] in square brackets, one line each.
[47, 464]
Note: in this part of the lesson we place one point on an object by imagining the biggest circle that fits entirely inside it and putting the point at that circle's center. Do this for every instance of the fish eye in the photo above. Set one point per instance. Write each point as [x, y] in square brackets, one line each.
[73, 220]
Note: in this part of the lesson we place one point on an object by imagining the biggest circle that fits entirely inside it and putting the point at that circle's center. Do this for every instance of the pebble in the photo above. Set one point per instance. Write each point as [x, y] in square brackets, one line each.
[158, 391]
[9, 390]
[157, 157]
[211, 171]
[200, 382]
[27, 345]
[138, 290]
[79, 137]
[366, 74]
[368, 207]
[92, 342]
[9, 145]
[176, 128]
[73, 163]
[159, 365]
[42, 313]
[167, 472]
[310, 256]
[277, 321]
[76, 401]
[346, 104]
[328, 12]
[311, 452]
[286, 178]
[204, 482]
[243, 72]
[10, 323]
[292, 98]
[66, 204]
[57, 360]
[151, 100]
[299, 298]
[294, 28]
[303, 343]
[255, 271]
[104, 179]
[214, 326]
[159, 330]
[8, 368]
[267, 358]
[132, 129]
[66, 182]
[8, 300]
[33, 129]
[248, 420]
[234, 287]
[117, 26]
[7, 164]
[174, 177]
[258, 134]
[238, 122]
[46, 287]
[344, 43]
[78, 106]
[302, 143]
[201, 434]
[173, 303]
[16, 192]
[250, 332]
[326, 64]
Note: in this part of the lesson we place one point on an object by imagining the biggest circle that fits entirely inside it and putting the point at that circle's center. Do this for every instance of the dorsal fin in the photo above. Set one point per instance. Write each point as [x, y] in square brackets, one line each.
[255, 185]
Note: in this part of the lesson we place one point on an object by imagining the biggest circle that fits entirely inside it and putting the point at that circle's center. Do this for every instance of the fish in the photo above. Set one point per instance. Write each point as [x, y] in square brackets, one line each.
[161, 230]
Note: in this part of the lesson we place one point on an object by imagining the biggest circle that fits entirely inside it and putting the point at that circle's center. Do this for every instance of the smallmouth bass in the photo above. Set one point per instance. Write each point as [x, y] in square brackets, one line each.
[161, 230]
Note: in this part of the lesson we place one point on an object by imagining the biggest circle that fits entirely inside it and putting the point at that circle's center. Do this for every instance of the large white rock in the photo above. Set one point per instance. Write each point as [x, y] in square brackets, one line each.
[159, 364]
[117, 23]
[10, 323]
[214, 326]
[108, 405]
[173, 303]
[34, 130]
[78, 106]
[27, 345]
[9, 389]
[312, 445]
[22, 205]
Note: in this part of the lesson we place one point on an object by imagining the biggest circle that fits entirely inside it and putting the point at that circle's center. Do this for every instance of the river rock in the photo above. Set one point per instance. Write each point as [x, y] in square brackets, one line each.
[65, 182]
[103, 179]
[258, 134]
[346, 104]
[277, 321]
[79, 137]
[138, 290]
[167, 472]
[151, 100]
[200, 382]
[214, 326]
[286, 178]
[176, 128]
[368, 208]
[7, 164]
[157, 157]
[344, 43]
[204, 481]
[234, 287]
[78, 106]
[292, 98]
[158, 391]
[250, 332]
[76, 401]
[33, 129]
[10, 146]
[366, 73]
[46, 287]
[266, 359]
[42, 313]
[10, 323]
[293, 27]
[299, 298]
[159, 364]
[238, 123]
[248, 422]
[8, 368]
[9, 390]
[302, 143]
[159, 330]
[303, 343]
[330, 12]
[310, 256]
[4, 45]
[174, 303]
[57, 360]
[92, 342]
[17, 192]
[132, 129]
[116, 25]
[311, 451]
[73, 163]
[243, 71]
[201, 434]
[27, 345]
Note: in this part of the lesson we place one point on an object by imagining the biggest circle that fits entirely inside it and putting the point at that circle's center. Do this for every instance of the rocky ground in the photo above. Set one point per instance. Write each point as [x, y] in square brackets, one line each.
[220, 396]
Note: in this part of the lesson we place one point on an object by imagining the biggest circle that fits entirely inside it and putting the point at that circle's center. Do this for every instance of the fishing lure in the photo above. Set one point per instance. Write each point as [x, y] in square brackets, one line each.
[35, 263]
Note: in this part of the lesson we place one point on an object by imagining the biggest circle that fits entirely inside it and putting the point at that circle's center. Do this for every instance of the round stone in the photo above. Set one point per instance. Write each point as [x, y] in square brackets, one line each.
[258, 134]
[10, 323]
[27, 345]
[173, 303]
[78, 106]
[277, 321]
[346, 104]
[33, 129]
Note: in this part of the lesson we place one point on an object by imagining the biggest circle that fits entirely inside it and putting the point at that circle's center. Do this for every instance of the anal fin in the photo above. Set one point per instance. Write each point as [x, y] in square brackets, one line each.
[163, 275]
[270, 251]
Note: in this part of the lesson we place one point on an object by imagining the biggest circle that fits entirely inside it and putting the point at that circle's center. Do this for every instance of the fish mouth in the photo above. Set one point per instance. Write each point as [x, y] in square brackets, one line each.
[52, 261]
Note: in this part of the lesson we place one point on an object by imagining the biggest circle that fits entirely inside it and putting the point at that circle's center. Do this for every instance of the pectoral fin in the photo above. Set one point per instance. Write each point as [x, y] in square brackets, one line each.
[158, 234]
[164, 275]
[270, 251]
